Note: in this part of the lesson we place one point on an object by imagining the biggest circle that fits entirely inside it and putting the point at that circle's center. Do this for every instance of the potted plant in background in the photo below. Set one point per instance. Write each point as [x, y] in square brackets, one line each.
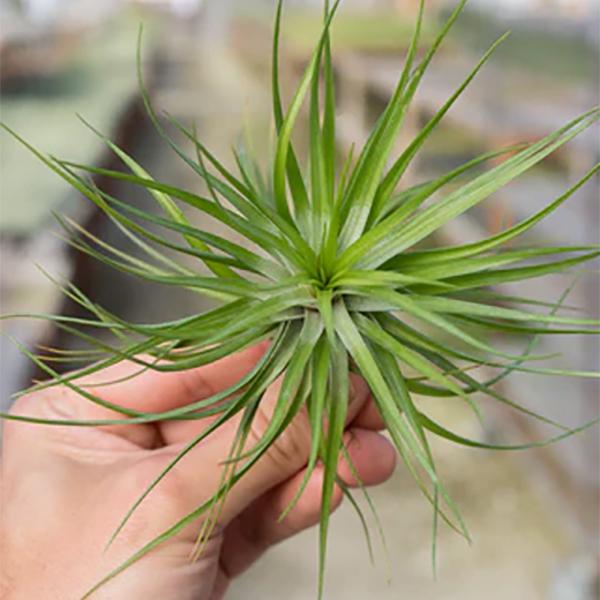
[330, 275]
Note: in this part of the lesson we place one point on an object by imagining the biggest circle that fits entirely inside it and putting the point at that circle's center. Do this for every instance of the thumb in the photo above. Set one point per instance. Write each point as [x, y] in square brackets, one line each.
[287, 455]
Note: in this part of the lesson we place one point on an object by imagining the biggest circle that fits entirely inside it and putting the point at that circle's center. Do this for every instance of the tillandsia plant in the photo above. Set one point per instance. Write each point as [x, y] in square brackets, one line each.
[330, 276]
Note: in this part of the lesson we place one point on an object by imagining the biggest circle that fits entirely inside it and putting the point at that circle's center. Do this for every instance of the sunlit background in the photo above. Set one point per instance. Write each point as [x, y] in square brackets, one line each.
[534, 516]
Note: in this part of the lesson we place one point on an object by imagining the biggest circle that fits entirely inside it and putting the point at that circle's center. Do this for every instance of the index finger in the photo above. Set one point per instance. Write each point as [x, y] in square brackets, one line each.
[152, 391]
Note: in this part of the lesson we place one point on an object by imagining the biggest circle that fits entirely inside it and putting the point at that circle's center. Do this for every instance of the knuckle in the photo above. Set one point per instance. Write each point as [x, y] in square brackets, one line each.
[37, 405]
[290, 449]
[48, 403]
[24, 405]
[196, 385]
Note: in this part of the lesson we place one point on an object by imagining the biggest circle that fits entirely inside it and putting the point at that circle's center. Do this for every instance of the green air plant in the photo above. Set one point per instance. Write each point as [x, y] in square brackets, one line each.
[330, 277]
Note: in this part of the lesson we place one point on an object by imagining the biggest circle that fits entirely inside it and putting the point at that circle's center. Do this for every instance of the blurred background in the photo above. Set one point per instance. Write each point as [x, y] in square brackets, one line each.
[535, 515]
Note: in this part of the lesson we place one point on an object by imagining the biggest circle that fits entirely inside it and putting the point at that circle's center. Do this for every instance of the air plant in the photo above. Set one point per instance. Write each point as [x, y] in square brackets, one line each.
[329, 275]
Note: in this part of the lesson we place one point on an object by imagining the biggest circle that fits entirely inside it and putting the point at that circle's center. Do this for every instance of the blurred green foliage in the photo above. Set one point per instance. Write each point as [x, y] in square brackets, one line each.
[379, 31]
[98, 82]
[563, 56]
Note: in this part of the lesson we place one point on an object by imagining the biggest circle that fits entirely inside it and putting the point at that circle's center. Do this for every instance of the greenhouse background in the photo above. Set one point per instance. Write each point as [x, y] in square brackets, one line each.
[535, 516]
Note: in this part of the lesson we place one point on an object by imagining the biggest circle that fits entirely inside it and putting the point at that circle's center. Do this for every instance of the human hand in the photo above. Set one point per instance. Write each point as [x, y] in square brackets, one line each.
[65, 489]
